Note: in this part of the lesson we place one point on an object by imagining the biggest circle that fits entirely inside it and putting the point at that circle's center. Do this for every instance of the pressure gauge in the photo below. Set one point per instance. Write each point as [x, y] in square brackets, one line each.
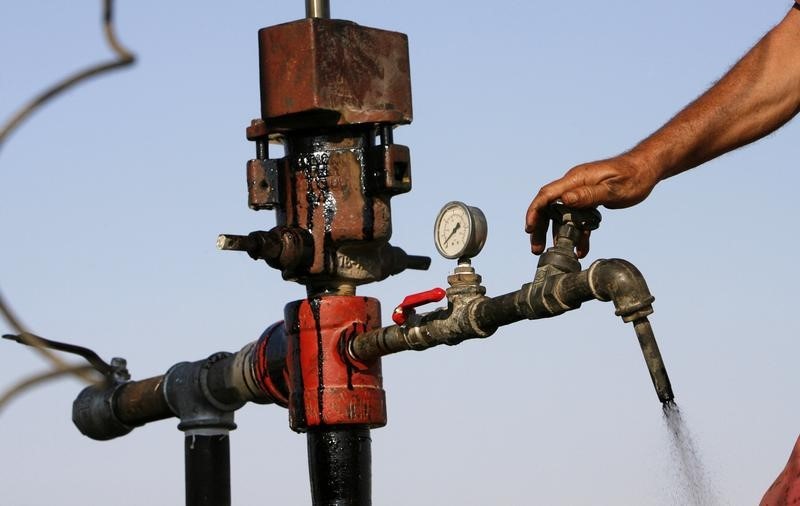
[460, 230]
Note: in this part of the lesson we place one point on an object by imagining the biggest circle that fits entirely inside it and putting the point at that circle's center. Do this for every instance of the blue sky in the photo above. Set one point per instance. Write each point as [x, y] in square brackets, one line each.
[111, 199]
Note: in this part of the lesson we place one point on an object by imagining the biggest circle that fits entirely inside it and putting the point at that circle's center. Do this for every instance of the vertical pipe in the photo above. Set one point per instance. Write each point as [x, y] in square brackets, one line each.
[339, 464]
[318, 9]
[386, 135]
[208, 469]
[652, 357]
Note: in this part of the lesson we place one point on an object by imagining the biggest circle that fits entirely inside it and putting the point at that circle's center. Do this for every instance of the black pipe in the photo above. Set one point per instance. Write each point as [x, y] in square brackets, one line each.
[495, 312]
[340, 466]
[652, 357]
[208, 470]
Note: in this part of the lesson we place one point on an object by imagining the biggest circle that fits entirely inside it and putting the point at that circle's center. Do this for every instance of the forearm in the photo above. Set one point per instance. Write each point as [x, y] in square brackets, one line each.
[758, 95]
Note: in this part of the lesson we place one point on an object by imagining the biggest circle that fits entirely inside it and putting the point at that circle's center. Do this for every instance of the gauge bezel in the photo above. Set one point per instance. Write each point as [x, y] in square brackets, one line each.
[476, 233]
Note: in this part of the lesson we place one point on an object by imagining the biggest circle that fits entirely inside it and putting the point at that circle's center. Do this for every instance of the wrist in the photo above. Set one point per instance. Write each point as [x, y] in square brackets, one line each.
[645, 166]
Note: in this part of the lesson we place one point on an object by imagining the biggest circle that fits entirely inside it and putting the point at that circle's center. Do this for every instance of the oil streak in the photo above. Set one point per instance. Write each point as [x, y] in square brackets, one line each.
[315, 304]
[348, 365]
[694, 487]
[297, 397]
[368, 211]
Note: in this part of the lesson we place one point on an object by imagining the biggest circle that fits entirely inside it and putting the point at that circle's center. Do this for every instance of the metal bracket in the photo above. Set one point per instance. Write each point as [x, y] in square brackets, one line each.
[185, 390]
[263, 184]
[390, 169]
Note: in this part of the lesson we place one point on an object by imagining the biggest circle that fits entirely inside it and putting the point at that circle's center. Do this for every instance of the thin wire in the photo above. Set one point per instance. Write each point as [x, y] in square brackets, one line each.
[123, 58]
[89, 355]
[43, 377]
[31, 339]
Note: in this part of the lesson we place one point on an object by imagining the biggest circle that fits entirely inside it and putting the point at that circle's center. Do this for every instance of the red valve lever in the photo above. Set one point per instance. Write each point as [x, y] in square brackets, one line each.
[401, 312]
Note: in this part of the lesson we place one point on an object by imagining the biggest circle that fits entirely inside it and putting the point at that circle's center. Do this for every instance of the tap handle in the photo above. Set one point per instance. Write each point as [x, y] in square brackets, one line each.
[584, 220]
[116, 371]
[406, 308]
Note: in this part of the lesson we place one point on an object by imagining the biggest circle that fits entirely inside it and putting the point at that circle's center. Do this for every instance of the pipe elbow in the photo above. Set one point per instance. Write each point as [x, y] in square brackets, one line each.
[621, 282]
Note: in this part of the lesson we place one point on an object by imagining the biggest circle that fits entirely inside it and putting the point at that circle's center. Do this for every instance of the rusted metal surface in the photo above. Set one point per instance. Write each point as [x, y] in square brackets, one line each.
[284, 248]
[331, 93]
[392, 169]
[325, 194]
[140, 402]
[263, 183]
[334, 71]
[257, 130]
[325, 388]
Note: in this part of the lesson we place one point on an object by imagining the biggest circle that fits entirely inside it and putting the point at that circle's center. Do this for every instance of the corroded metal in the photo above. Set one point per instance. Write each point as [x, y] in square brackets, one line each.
[325, 72]
[327, 389]
[140, 402]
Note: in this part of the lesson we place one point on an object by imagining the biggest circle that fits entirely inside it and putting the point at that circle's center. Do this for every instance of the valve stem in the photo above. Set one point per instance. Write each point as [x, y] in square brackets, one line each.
[233, 242]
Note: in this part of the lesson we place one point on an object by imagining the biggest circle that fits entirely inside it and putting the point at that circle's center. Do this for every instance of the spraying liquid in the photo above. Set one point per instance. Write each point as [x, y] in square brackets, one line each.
[694, 487]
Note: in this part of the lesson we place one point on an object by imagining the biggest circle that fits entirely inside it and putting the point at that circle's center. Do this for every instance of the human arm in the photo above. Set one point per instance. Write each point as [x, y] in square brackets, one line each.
[786, 488]
[758, 95]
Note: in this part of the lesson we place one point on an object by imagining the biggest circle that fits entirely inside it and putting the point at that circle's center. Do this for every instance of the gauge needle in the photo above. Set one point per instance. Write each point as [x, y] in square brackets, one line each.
[458, 225]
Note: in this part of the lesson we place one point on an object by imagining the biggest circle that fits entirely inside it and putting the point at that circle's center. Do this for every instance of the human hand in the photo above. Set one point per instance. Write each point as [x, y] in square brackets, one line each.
[615, 183]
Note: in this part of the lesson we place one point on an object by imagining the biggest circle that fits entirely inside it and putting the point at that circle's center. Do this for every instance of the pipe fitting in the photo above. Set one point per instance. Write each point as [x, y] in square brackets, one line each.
[459, 321]
[554, 290]
[186, 391]
[93, 413]
[288, 249]
[621, 282]
[455, 323]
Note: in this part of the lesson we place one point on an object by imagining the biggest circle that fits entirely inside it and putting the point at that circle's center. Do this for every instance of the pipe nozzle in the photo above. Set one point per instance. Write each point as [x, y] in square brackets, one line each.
[652, 357]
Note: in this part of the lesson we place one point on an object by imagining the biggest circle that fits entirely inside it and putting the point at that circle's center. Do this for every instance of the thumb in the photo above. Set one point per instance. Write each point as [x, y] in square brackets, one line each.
[585, 196]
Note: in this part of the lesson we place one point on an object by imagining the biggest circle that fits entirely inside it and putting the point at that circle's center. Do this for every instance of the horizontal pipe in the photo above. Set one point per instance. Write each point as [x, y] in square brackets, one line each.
[140, 402]
[495, 312]
[378, 343]
[613, 280]
[224, 382]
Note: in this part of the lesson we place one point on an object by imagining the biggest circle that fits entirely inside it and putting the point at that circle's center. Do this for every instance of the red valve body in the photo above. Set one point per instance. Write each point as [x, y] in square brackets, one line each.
[326, 388]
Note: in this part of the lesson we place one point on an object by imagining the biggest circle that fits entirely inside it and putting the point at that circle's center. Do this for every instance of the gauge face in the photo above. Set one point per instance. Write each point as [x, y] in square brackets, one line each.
[460, 230]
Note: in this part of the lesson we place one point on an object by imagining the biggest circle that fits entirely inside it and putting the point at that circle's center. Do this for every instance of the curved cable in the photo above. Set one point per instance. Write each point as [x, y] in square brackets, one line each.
[43, 377]
[123, 58]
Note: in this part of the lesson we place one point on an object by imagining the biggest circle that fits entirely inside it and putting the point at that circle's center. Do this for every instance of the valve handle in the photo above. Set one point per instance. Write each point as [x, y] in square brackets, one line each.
[583, 219]
[406, 308]
[116, 371]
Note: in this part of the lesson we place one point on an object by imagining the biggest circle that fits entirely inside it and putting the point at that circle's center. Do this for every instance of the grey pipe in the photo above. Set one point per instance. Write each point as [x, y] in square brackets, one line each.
[318, 9]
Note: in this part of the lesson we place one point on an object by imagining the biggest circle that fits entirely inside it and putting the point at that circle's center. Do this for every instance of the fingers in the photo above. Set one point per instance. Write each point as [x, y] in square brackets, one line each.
[536, 219]
[582, 248]
[586, 196]
[539, 231]
[582, 186]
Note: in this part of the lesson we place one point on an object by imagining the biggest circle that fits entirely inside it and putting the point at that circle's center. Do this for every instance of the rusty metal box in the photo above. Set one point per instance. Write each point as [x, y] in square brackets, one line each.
[333, 72]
